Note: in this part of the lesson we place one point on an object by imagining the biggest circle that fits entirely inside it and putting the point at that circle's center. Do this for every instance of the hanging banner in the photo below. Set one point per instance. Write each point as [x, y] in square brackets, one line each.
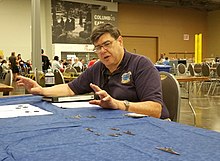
[101, 16]
[72, 21]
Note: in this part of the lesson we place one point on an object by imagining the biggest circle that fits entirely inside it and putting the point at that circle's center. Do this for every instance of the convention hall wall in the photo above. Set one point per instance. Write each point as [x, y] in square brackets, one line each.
[213, 39]
[167, 24]
[15, 28]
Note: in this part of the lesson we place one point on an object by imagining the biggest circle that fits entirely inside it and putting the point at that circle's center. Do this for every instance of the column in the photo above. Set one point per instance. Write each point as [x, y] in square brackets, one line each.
[36, 35]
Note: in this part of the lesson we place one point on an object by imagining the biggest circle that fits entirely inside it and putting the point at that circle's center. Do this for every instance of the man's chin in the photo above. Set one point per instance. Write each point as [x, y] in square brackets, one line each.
[107, 63]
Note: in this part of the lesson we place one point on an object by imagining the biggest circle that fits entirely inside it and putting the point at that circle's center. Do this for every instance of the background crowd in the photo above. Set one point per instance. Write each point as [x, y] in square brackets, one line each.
[21, 67]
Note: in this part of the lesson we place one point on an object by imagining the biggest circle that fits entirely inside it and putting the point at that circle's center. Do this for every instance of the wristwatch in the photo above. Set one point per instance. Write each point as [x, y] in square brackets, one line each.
[127, 104]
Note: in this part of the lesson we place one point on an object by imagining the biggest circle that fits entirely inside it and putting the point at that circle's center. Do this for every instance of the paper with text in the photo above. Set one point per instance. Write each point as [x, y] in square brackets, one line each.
[16, 110]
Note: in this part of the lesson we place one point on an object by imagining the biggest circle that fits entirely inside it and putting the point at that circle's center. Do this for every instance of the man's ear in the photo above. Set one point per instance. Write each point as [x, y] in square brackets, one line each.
[120, 40]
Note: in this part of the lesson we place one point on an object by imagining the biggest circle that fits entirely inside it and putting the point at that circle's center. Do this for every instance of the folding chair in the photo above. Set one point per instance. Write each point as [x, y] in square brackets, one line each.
[171, 94]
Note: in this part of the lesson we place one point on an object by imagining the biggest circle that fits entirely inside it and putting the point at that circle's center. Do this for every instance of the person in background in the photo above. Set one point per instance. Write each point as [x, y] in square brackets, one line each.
[56, 64]
[84, 65]
[166, 61]
[217, 59]
[121, 80]
[20, 61]
[14, 65]
[69, 63]
[21, 64]
[45, 61]
[162, 57]
[91, 62]
[65, 63]
[28, 65]
[62, 69]
[5, 67]
[78, 64]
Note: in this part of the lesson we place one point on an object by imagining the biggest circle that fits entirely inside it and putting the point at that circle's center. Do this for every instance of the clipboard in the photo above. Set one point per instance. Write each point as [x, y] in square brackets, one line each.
[75, 98]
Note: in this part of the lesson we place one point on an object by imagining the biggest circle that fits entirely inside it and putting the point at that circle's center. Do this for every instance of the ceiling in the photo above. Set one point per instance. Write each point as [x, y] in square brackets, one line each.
[205, 5]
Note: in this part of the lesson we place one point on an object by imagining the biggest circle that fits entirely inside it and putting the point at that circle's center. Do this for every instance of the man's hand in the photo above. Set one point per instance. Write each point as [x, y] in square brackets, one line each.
[32, 86]
[106, 101]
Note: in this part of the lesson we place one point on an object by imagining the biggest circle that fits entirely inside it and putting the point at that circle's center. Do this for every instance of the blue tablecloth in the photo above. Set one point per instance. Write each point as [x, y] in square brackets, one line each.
[62, 136]
[165, 68]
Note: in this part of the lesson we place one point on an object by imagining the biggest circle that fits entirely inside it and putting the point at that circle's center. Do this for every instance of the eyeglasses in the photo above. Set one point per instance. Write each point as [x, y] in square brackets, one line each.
[106, 45]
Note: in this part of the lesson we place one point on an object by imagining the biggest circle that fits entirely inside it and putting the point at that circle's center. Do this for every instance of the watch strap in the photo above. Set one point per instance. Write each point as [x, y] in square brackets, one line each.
[127, 104]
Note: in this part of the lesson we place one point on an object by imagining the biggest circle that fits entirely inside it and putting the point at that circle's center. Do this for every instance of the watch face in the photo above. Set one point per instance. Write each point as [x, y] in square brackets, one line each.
[126, 103]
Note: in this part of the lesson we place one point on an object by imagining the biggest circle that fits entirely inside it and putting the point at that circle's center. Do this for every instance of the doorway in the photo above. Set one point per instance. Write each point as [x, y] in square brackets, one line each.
[142, 45]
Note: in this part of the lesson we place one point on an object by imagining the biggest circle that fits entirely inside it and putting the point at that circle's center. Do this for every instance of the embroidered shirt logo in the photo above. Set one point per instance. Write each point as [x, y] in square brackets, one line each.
[126, 77]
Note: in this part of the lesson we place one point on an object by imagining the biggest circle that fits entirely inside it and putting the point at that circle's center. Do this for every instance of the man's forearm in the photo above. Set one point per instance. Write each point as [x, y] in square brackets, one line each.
[58, 90]
[149, 108]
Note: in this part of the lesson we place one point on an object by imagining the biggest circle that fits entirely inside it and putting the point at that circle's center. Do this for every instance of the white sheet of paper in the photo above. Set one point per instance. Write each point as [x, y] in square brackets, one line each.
[135, 115]
[8, 111]
[74, 105]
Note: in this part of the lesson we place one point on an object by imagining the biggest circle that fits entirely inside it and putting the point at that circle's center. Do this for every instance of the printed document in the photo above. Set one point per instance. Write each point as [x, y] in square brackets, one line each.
[16, 110]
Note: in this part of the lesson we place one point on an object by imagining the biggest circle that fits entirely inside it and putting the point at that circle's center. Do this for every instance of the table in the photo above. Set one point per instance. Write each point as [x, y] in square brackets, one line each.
[190, 79]
[5, 88]
[62, 136]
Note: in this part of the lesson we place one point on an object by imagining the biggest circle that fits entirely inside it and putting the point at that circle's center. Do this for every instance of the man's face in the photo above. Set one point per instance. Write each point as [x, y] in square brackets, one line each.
[109, 50]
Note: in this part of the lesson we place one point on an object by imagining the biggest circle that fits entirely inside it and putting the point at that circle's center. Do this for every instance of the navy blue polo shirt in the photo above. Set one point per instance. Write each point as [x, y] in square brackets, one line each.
[135, 80]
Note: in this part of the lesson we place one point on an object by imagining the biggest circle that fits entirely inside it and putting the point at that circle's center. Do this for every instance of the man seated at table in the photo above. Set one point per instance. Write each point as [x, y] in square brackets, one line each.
[122, 80]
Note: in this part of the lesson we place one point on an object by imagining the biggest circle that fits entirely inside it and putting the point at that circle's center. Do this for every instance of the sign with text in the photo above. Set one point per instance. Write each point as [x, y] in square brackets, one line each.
[100, 16]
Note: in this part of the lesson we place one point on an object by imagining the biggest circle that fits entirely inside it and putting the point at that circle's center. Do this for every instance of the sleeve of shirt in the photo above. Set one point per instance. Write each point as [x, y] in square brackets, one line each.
[147, 81]
[81, 85]
[148, 84]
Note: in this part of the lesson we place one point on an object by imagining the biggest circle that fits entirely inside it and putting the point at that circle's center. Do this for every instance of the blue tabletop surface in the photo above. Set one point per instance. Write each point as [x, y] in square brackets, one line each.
[62, 136]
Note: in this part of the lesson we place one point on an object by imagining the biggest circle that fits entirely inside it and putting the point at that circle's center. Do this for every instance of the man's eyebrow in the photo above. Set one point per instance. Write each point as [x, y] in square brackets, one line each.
[102, 43]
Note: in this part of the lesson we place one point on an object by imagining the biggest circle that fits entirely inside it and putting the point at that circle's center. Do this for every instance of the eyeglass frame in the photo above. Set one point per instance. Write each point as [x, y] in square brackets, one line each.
[105, 45]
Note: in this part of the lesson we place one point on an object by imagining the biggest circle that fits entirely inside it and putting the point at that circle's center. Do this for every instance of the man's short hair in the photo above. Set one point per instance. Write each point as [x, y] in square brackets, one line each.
[101, 29]
[56, 58]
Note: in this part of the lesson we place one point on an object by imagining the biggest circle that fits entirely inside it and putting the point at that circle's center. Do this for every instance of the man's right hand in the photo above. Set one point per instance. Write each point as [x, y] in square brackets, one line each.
[30, 85]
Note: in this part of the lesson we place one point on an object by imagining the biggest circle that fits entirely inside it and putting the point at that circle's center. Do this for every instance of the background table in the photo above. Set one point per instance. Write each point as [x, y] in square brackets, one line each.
[63, 136]
[5, 88]
[188, 79]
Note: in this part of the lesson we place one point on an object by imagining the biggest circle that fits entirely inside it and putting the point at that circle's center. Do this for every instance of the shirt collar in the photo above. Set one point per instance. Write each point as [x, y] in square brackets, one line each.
[121, 66]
